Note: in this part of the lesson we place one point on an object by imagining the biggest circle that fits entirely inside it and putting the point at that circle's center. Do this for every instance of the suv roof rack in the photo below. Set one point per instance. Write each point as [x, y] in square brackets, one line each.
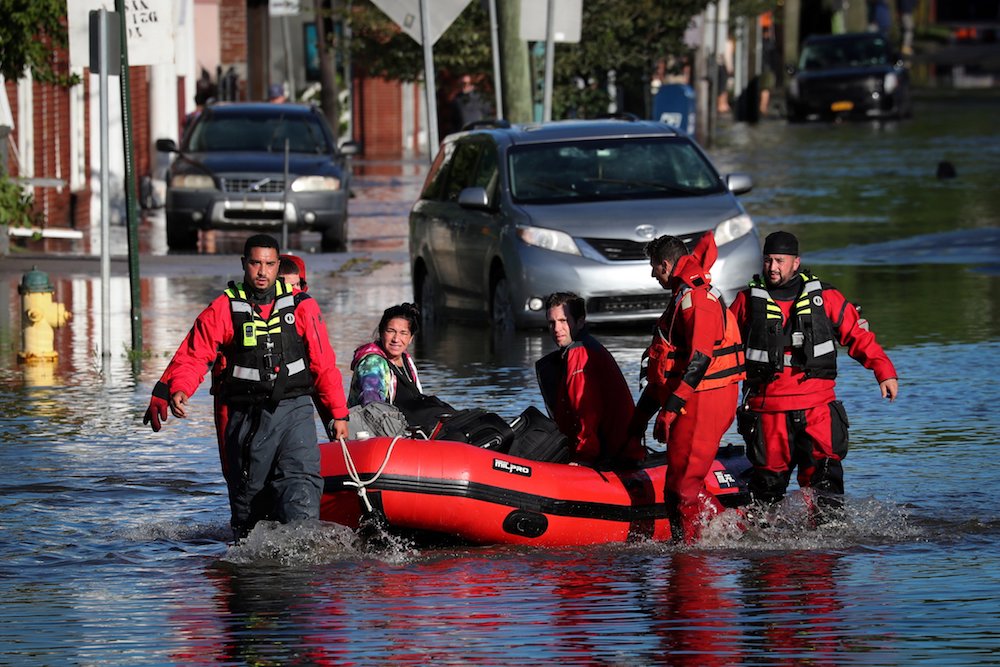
[487, 123]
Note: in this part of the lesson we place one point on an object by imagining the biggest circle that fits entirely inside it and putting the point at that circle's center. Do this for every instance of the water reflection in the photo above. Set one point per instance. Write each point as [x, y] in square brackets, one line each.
[794, 611]
[114, 546]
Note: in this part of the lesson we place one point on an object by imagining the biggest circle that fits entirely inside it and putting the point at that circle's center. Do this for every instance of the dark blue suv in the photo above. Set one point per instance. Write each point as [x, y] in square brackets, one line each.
[257, 166]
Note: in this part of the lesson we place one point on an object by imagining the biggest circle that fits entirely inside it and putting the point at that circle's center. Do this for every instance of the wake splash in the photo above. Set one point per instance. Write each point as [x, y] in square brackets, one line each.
[794, 523]
[316, 543]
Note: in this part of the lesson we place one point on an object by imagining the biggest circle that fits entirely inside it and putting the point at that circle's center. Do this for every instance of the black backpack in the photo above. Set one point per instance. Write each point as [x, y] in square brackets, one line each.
[476, 427]
[538, 438]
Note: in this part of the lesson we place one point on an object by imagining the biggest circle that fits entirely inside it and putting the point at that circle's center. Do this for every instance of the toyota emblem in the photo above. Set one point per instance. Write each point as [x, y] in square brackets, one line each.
[645, 232]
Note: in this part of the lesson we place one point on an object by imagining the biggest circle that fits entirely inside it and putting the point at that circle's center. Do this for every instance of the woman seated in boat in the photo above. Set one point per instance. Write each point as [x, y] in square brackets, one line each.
[384, 372]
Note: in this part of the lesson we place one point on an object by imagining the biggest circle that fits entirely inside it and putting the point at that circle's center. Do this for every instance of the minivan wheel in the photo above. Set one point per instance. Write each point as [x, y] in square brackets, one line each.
[501, 308]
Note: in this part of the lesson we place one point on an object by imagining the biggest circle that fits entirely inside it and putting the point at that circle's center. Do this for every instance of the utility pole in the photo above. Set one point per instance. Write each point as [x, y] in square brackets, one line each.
[515, 70]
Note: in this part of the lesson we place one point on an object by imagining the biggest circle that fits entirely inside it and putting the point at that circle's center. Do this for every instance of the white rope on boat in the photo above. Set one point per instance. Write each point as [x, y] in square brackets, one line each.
[352, 471]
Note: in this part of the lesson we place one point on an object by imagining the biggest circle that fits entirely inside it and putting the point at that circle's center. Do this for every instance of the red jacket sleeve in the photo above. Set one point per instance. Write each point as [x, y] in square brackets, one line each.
[212, 329]
[740, 310]
[860, 343]
[322, 360]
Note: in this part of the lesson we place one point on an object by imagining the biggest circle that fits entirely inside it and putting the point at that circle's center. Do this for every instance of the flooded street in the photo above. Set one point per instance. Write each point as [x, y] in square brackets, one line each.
[114, 540]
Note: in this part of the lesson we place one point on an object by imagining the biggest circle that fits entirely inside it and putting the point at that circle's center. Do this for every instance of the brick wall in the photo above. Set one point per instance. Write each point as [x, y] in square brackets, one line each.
[233, 39]
[378, 117]
[57, 207]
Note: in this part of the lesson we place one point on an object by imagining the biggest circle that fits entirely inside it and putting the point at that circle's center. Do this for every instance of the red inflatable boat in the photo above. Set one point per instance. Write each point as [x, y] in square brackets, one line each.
[450, 490]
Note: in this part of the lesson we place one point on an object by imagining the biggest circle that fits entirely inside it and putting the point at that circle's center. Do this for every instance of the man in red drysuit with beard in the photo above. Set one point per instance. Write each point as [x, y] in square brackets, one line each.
[791, 322]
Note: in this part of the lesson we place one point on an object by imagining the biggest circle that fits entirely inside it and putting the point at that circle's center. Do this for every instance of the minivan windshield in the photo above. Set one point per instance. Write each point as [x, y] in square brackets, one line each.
[256, 132]
[610, 169]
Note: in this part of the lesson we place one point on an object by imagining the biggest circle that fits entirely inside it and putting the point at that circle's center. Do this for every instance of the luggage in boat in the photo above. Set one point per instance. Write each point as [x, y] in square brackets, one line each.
[476, 427]
[538, 438]
[376, 419]
[424, 412]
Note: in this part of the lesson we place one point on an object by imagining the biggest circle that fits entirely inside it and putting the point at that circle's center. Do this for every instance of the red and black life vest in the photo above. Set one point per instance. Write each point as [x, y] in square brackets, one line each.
[267, 359]
[807, 337]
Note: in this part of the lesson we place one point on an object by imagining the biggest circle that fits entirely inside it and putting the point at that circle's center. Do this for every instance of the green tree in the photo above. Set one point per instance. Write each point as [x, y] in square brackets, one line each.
[623, 39]
[31, 33]
[626, 39]
[383, 49]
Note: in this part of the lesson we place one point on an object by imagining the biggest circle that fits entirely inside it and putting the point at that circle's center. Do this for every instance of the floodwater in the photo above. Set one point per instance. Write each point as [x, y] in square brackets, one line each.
[114, 540]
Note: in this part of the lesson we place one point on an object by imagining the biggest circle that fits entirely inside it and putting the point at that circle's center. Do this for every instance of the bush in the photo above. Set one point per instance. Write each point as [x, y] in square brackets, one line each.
[17, 207]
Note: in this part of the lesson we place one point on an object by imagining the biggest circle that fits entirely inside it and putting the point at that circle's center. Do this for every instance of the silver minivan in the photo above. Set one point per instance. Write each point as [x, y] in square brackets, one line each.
[511, 213]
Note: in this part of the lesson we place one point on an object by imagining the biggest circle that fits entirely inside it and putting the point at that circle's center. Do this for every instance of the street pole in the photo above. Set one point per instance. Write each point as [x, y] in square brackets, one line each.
[102, 56]
[550, 58]
[131, 197]
[430, 85]
[495, 45]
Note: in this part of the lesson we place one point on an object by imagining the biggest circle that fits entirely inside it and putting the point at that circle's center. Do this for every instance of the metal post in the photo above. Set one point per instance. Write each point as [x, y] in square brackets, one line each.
[550, 58]
[495, 45]
[102, 45]
[131, 197]
[430, 85]
[286, 37]
[284, 204]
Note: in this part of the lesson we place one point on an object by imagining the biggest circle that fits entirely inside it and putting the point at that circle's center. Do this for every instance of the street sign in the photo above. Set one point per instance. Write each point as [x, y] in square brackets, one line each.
[284, 7]
[567, 18]
[406, 14]
[150, 25]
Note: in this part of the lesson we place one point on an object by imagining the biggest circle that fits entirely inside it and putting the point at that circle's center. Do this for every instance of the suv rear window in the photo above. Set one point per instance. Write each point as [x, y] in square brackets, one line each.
[610, 169]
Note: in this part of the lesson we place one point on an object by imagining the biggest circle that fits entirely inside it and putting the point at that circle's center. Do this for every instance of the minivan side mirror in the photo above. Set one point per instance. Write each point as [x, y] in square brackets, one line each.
[349, 148]
[739, 184]
[474, 198]
[166, 146]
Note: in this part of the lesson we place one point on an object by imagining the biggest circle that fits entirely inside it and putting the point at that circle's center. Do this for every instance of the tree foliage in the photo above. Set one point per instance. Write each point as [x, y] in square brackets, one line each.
[31, 33]
[380, 47]
[623, 40]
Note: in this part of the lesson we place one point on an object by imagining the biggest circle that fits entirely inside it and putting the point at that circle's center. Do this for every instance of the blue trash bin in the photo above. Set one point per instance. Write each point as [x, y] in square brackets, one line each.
[674, 105]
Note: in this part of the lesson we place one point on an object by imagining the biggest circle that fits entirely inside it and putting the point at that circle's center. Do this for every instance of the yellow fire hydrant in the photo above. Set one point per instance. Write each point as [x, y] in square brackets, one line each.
[39, 317]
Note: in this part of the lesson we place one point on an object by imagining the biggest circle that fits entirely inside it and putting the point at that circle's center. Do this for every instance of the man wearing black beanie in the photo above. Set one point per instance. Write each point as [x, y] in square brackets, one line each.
[789, 417]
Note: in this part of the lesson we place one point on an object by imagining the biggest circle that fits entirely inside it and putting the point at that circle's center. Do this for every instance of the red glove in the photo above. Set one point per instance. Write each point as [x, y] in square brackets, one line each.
[673, 408]
[156, 413]
[662, 425]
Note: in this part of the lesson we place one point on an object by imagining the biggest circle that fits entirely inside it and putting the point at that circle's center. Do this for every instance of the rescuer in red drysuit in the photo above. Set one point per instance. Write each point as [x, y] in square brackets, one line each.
[277, 353]
[693, 367]
[291, 269]
[791, 322]
[584, 389]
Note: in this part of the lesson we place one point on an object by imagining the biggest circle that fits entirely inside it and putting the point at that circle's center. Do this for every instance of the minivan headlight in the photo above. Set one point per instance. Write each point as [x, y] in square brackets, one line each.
[732, 229]
[550, 239]
[193, 182]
